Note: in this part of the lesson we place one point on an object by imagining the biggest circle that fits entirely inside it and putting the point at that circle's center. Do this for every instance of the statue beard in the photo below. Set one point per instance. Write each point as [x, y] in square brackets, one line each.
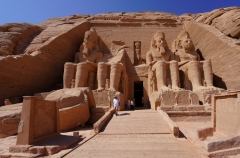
[161, 50]
[85, 51]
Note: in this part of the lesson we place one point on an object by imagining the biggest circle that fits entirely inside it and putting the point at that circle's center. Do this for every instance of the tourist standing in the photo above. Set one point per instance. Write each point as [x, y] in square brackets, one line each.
[132, 104]
[116, 103]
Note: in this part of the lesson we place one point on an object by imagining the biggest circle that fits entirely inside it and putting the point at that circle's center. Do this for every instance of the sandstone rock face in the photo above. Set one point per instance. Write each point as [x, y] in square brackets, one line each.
[226, 20]
[52, 48]
[229, 23]
[74, 106]
[15, 37]
[59, 39]
[223, 51]
[9, 118]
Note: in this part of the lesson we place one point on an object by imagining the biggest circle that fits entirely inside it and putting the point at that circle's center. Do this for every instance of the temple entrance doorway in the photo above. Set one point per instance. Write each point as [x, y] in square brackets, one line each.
[138, 93]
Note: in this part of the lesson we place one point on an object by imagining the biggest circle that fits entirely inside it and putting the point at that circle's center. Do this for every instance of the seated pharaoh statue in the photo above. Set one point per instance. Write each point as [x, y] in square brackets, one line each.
[90, 63]
[162, 67]
[197, 75]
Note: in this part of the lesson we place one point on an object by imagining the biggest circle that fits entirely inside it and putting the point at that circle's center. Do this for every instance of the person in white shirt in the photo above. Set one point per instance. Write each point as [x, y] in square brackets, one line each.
[132, 104]
[116, 104]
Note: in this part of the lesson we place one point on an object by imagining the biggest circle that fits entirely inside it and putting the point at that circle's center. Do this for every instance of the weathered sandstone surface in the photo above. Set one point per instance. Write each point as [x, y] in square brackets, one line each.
[15, 37]
[226, 20]
[222, 50]
[9, 118]
[40, 71]
[74, 105]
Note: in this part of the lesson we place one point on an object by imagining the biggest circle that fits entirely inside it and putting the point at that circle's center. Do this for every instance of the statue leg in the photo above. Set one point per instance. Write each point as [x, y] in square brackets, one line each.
[81, 75]
[174, 71]
[91, 80]
[208, 74]
[115, 74]
[101, 76]
[69, 74]
[195, 75]
[161, 74]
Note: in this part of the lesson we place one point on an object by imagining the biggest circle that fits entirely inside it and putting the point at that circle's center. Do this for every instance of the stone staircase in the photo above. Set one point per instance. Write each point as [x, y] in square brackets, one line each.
[138, 133]
[102, 105]
[97, 112]
[41, 149]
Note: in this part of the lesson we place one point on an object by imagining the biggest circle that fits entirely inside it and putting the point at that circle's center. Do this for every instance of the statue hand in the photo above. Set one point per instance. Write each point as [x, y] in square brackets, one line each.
[153, 62]
[91, 63]
[182, 63]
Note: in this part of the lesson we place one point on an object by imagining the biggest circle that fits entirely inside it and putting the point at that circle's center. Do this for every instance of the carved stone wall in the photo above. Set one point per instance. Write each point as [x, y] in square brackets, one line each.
[226, 113]
[130, 32]
[39, 121]
[133, 32]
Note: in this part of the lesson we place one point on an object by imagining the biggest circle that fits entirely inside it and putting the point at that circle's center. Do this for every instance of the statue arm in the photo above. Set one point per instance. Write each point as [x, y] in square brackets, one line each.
[198, 57]
[172, 57]
[176, 57]
[76, 60]
[100, 55]
[181, 63]
[91, 63]
[149, 58]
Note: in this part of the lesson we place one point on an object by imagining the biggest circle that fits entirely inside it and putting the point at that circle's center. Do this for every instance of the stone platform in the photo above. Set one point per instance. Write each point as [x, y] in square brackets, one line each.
[137, 122]
[139, 133]
[48, 147]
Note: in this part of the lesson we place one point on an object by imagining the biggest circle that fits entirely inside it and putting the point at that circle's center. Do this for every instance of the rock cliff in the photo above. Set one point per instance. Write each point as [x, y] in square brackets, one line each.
[32, 56]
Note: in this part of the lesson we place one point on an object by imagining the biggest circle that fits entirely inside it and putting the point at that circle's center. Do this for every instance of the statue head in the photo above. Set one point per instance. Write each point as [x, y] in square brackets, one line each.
[158, 42]
[137, 45]
[185, 42]
[90, 41]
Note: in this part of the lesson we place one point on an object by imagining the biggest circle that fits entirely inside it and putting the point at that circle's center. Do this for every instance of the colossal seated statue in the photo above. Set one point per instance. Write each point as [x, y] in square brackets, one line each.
[191, 66]
[91, 61]
[158, 59]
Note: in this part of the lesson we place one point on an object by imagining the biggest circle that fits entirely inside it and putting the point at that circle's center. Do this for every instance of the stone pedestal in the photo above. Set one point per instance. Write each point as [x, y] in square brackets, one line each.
[39, 121]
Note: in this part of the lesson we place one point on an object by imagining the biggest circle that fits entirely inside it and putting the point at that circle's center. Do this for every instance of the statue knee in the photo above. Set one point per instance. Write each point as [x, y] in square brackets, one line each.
[81, 75]
[69, 74]
[101, 75]
[161, 63]
[115, 74]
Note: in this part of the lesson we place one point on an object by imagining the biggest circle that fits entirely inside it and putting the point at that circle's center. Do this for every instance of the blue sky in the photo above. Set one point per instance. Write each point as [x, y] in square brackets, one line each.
[36, 11]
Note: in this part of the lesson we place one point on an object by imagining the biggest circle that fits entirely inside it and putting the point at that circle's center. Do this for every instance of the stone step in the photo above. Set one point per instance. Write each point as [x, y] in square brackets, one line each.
[138, 133]
[137, 121]
[44, 148]
[100, 109]
[95, 117]
[19, 155]
[225, 152]
[97, 113]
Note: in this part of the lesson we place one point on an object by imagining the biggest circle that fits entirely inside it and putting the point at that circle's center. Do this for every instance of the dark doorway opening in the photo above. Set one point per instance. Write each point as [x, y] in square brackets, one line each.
[138, 93]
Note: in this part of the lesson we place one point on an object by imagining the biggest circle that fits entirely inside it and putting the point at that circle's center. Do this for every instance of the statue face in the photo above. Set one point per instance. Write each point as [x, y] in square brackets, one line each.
[160, 42]
[88, 41]
[186, 43]
[137, 45]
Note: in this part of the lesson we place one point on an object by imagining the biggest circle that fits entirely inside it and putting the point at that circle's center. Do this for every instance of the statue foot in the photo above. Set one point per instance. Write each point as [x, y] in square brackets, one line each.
[199, 88]
[214, 88]
[176, 88]
[112, 89]
[100, 89]
[209, 88]
[165, 88]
